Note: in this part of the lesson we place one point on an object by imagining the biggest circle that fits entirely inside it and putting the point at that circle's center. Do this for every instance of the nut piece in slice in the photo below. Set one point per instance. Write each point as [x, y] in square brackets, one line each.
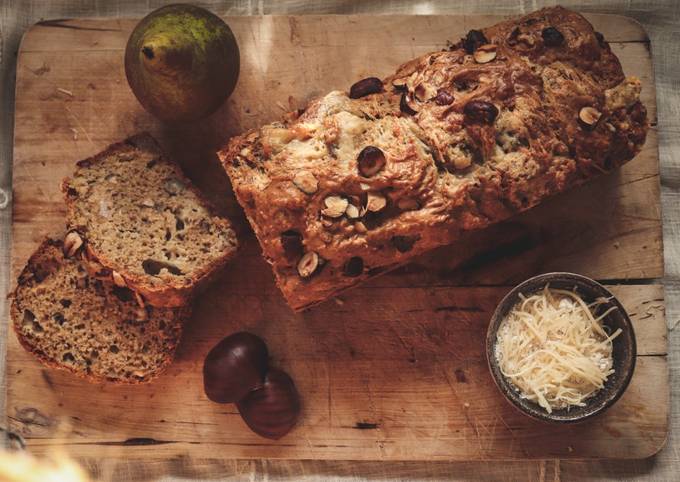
[375, 202]
[480, 111]
[72, 243]
[485, 53]
[408, 105]
[165, 251]
[443, 97]
[552, 37]
[473, 40]
[306, 182]
[335, 206]
[589, 116]
[91, 327]
[400, 83]
[118, 280]
[371, 160]
[352, 211]
[308, 264]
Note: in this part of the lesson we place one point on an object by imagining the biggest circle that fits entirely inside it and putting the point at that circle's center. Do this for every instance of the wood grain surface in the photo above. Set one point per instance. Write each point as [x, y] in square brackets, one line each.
[394, 370]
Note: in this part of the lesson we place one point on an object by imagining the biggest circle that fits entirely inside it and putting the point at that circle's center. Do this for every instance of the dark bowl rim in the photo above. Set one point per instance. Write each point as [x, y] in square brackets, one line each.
[502, 382]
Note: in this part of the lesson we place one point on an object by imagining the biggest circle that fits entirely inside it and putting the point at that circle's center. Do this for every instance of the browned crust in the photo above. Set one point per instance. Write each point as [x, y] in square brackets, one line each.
[15, 315]
[590, 155]
[172, 294]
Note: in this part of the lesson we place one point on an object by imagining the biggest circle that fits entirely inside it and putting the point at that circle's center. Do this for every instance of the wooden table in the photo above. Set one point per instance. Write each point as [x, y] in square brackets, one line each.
[660, 468]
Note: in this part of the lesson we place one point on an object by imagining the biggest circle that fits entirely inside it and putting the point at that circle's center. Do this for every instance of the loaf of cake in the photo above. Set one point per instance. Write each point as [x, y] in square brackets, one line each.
[72, 320]
[143, 223]
[362, 181]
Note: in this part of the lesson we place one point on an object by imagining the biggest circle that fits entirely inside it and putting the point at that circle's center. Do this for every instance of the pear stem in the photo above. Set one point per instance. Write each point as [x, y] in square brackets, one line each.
[168, 55]
[148, 52]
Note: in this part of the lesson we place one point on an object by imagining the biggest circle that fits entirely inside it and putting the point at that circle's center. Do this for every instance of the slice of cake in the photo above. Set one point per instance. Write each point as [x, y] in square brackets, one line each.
[145, 222]
[74, 321]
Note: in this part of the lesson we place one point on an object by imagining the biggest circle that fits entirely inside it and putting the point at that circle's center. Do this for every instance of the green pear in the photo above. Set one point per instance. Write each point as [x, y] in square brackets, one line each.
[182, 62]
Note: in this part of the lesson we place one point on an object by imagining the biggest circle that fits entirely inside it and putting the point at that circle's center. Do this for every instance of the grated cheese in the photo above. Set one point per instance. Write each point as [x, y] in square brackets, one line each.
[554, 350]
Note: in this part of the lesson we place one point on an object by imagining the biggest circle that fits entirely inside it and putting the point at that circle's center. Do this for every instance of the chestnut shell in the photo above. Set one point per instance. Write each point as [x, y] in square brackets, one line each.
[272, 410]
[234, 367]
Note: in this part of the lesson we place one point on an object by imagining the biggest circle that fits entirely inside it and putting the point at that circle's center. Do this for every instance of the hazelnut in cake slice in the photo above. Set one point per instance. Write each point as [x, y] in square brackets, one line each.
[454, 141]
[144, 223]
[74, 321]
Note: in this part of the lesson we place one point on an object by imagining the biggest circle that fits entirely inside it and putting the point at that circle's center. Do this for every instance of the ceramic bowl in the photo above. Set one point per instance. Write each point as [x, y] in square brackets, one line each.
[624, 347]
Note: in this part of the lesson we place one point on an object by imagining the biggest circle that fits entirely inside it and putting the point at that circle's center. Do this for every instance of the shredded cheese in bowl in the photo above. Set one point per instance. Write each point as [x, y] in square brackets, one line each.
[554, 349]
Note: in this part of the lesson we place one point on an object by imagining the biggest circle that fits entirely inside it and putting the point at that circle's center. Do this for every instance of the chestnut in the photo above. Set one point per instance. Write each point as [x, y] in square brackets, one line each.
[480, 111]
[473, 40]
[552, 37]
[234, 367]
[273, 409]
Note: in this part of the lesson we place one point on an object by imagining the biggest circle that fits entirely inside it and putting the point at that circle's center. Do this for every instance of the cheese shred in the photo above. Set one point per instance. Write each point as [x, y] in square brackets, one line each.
[554, 350]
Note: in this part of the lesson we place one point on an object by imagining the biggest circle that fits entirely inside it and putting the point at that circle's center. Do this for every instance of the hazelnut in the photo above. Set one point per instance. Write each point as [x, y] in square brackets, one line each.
[485, 53]
[443, 98]
[589, 116]
[72, 243]
[370, 85]
[352, 211]
[140, 300]
[399, 84]
[462, 162]
[375, 202]
[473, 40]
[360, 227]
[308, 264]
[407, 105]
[306, 182]
[552, 37]
[335, 206]
[371, 160]
[516, 36]
[118, 280]
[480, 111]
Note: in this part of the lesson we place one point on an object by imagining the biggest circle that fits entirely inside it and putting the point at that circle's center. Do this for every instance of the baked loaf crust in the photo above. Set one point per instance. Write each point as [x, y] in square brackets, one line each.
[145, 223]
[89, 326]
[455, 140]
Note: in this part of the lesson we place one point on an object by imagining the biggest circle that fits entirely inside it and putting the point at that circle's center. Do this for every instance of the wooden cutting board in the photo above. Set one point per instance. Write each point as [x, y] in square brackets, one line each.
[395, 369]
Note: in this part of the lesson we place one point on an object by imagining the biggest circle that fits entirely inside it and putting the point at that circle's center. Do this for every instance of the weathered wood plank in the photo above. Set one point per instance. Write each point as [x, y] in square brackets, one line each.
[387, 354]
[406, 363]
